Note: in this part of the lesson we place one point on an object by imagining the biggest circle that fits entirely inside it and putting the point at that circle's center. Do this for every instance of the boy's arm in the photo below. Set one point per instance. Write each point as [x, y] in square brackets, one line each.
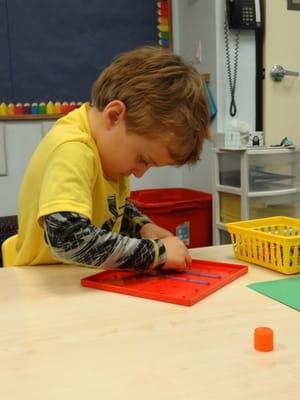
[138, 225]
[73, 238]
[133, 220]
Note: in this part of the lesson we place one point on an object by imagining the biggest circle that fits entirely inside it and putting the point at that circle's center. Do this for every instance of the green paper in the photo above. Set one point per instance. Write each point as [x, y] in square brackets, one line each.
[286, 291]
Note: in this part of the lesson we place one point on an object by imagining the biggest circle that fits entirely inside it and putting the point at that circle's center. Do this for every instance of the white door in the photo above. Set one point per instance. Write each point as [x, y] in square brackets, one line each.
[282, 47]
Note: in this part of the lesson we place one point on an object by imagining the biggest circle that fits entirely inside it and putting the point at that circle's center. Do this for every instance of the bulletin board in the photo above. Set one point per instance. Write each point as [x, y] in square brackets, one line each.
[54, 50]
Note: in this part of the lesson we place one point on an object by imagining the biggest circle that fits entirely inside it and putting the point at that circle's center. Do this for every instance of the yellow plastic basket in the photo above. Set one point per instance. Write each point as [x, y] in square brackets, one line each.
[269, 242]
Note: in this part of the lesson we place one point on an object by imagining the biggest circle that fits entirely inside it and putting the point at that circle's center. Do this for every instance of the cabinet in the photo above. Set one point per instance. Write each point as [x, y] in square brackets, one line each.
[254, 183]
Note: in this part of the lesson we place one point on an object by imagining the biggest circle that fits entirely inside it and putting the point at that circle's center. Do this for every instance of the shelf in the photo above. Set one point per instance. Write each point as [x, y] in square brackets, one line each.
[237, 191]
[258, 150]
[280, 192]
[228, 189]
[221, 225]
[30, 117]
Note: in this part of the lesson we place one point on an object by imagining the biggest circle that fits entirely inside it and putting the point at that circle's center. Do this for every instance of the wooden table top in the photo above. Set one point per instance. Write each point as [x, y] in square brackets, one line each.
[59, 340]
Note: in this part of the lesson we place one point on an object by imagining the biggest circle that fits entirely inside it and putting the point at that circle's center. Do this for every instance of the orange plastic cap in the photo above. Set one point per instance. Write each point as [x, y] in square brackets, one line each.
[263, 339]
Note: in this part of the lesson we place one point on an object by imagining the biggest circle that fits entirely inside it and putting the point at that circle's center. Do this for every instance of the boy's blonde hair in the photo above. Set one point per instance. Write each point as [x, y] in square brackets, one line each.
[164, 97]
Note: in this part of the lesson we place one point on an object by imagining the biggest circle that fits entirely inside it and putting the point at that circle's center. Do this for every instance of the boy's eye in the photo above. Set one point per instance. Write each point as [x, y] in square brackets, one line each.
[143, 161]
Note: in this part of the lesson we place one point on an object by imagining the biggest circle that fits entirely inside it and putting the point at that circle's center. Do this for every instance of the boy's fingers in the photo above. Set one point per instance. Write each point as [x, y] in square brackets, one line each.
[188, 260]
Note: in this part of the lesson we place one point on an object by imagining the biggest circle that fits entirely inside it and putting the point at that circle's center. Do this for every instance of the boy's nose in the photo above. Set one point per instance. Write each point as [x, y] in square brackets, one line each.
[140, 171]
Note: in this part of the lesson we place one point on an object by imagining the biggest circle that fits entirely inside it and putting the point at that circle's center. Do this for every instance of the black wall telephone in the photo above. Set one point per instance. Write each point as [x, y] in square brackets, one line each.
[244, 14]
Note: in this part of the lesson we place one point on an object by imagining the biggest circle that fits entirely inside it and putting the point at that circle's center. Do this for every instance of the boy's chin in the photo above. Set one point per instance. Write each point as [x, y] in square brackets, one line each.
[116, 177]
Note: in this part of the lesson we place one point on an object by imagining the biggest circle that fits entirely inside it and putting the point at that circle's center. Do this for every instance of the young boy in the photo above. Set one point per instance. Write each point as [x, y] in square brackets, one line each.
[149, 108]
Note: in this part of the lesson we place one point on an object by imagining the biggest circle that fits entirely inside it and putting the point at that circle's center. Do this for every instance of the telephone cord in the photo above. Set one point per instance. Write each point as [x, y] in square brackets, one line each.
[232, 79]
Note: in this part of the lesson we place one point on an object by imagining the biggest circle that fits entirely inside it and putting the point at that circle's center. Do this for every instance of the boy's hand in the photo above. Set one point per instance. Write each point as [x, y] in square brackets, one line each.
[152, 231]
[177, 254]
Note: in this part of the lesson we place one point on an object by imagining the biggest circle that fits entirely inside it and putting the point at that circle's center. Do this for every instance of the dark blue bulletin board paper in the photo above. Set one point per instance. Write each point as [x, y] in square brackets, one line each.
[286, 291]
[55, 50]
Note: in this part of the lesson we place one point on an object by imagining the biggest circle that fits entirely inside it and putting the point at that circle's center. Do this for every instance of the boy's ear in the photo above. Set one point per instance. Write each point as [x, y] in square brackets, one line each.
[114, 111]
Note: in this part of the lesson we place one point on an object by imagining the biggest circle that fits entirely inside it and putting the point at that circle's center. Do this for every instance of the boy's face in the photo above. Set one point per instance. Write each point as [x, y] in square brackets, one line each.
[123, 154]
[132, 154]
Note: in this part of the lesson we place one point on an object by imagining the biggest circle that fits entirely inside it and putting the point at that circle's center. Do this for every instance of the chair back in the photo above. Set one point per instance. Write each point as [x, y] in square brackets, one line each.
[9, 252]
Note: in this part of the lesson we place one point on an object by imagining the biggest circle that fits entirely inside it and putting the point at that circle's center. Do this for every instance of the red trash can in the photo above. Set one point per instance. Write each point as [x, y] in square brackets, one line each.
[186, 213]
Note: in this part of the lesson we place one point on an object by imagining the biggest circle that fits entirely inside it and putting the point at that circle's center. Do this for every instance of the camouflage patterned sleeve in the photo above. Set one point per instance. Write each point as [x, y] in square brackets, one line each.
[73, 239]
[133, 220]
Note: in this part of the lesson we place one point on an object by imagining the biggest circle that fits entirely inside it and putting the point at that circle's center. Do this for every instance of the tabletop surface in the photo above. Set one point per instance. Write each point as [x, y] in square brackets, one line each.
[59, 340]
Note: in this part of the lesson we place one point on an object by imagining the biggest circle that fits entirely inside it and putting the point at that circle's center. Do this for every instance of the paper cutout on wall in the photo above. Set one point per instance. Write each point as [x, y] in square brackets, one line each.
[164, 24]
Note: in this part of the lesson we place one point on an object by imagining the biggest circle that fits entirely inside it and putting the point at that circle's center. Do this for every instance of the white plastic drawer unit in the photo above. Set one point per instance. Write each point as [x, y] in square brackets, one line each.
[269, 206]
[274, 171]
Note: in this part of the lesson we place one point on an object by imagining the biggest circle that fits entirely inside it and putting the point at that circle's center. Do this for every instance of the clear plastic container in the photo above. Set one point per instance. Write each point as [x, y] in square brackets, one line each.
[274, 171]
[229, 167]
[269, 206]
[230, 207]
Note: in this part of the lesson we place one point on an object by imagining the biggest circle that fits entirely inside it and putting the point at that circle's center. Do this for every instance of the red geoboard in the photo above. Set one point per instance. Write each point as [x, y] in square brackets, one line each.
[179, 287]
